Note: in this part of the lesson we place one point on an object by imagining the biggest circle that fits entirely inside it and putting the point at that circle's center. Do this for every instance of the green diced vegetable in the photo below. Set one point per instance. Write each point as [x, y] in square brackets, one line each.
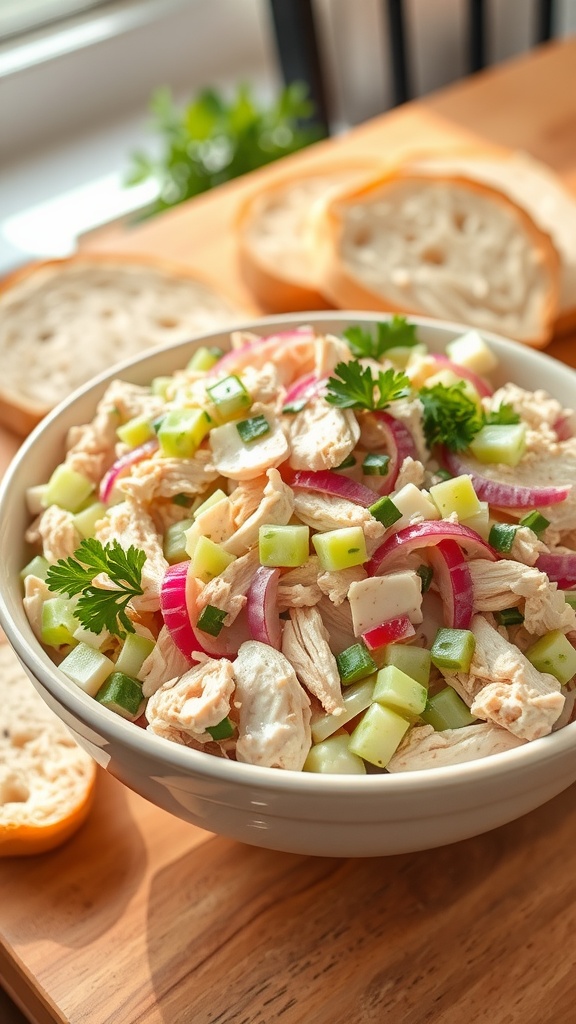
[355, 663]
[400, 692]
[230, 398]
[58, 622]
[123, 695]
[135, 650]
[471, 351]
[136, 431]
[68, 489]
[509, 617]
[295, 407]
[501, 537]
[211, 620]
[446, 710]
[85, 521]
[252, 429]
[340, 549]
[375, 464]
[333, 757]
[182, 431]
[160, 386]
[378, 735]
[502, 443]
[414, 661]
[283, 545]
[214, 498]
[453, 649]
[38, 567]
[456, 495]
[175, 541]
[443, 474]
[87, 668]
[349, 461]
[480, 521]
[356, 698]
[426, 574]
[223, 731]
[385, 511]
[570, 597]
[186, 501]
[205, 358]
[535, 521]
[209, 559]
[554, 653]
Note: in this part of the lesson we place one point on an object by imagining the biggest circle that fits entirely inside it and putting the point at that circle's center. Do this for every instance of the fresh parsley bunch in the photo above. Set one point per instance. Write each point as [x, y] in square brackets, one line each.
[354, 387]
[389, 334]
[451, 418]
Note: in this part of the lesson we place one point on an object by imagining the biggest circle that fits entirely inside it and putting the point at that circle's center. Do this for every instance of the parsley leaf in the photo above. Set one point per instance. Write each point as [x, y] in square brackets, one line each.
[354, 387]
[100, 608]
[504, 415]
[450, 417]
[394, 333]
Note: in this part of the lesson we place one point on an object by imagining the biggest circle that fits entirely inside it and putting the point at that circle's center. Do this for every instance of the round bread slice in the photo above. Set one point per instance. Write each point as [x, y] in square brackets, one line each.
[277, 238]
[47, 781]
[64, 321]
[445, 247]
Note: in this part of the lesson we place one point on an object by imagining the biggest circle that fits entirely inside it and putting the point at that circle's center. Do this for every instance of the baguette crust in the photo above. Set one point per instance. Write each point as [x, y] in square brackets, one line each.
[398, 244]
[47, 781]
[64, 321]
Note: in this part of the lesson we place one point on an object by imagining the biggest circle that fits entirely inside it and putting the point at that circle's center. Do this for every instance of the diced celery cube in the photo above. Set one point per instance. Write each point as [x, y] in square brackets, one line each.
[446, 710]
[211, 619]
[501, 536]
[378, 734]
[355, 663]
[356, 698]
[402, 355]
[554, 653]
[123, 695]
[58, 622]
[340, 549]
[283, 545]
[135, 650]
[182, 431]
[85, 521]
[67, 488]
[480, 521]
[160, 386]
[175, 541]
[205, 358]
[471, 351]
[209, 560]
[400, 692]
[333, 757]
[385, 511]
[456, 495]
[91, 639]
[500, 442]
[38, 567]
[414, 661]
[535, 521]
[136, 431]
[509, 617]
[214, 498]
[224, 730]
[87, 668]
[453, 649]
[230, 398]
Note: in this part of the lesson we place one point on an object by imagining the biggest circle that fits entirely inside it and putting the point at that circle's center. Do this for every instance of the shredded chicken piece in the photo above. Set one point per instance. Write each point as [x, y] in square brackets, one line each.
[297, 596]
[276, 508]
[228, 590]
[274, 711]
[337, 584]
[291, 361]
[328, 512]
[411, 472]
[305, 642]
[161, 477]
[246, 497]
[526, 546]
[423, 748]
[263, 384]
[338, 622]
[536, 408]
[505, 583]
[164, 662]
[321, 436]
[198, 700]
[36, 593]
[130, 524]
[328, 352]
[55, 531]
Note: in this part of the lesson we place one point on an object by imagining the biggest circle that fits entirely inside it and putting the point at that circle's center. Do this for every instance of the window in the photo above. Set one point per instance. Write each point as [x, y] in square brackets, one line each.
[18, 16]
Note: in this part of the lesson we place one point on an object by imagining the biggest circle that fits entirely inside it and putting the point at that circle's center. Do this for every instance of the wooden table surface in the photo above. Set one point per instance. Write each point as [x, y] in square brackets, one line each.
[143, 918]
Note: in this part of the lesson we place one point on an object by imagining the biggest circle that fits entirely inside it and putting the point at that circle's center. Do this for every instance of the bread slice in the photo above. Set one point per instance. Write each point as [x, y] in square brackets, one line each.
[276, 234]
[47, 781]
[445, 247]
[64, 321]
[535, 188]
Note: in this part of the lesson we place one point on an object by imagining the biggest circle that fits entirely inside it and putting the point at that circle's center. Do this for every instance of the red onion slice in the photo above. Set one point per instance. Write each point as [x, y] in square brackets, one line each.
[424, 535]
[399, 445]
[304, 389]
[388, 632]
[229, 639]
[326, 482]
[560, 568]
[483, 389]
[263, 615]
[264, 346]
[563, 429]
[174, 608]
[454, 583]
[143, 451]
[504, 495]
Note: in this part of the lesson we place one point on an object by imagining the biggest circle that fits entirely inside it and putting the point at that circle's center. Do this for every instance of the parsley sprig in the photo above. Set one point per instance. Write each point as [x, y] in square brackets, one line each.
[99, 608]
[353, 386]
[453, 419]
[394, 333]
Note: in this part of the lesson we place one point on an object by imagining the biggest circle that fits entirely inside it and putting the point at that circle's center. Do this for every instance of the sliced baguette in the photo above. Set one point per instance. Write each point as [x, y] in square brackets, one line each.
[445, 247]
[276, 234]
[64, 321]
[47, 781]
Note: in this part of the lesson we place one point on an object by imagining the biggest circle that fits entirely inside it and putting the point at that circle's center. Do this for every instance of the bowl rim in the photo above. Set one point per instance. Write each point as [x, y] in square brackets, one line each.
[185, 760]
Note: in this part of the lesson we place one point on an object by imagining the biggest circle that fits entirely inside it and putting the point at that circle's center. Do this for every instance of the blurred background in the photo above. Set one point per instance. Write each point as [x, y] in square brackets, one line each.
[76, 77]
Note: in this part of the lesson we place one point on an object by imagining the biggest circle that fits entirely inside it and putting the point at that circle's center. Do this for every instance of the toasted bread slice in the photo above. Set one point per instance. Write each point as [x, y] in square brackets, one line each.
[47, 781]
[64, 321]
[441, 246]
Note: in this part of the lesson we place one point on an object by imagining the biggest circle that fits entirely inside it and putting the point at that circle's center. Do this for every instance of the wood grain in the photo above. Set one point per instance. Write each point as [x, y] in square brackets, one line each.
[143, 919]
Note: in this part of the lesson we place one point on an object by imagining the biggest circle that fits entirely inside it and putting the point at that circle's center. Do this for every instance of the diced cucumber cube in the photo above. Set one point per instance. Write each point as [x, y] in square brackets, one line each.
[91, 639]
[355, 663]
[414, 661]
[283, 545]
[509, 617]
[356, 699]
[385, 511]
[58, 622]
[500, 442]
[471, 351]
[135, 650]
[554, 653]
[252, 429]
[333, 757]
[456, 495]
[38, 566]
[67, 488]
[224, 730]
[211, 619]
[205, 358]
[175, 541]
[340, 549]
[123, 695]
[446, 710]
[501, 537]
[85, 521]
[535, 521]
[453, 649]
[400, 692]
[136, 431]
[402, 355]
[87, 668]
[375, 464]
[209, 560]
[182, 431]
[378, 735]
[214, 498]
[480, 521]
[160, 386]
[230, 398]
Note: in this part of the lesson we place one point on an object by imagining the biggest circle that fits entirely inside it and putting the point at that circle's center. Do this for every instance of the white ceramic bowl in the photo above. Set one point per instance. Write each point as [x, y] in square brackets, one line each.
[359, 816]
